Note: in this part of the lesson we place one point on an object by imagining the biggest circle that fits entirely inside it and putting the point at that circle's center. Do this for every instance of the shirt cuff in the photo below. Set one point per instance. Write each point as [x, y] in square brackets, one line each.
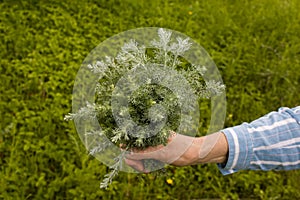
[240, 149]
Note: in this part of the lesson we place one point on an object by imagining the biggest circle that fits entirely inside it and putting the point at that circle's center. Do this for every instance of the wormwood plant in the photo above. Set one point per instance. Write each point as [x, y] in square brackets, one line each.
[152, 109]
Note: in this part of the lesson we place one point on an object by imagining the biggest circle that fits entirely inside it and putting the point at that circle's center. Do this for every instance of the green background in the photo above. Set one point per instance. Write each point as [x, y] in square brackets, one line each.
[255, 44]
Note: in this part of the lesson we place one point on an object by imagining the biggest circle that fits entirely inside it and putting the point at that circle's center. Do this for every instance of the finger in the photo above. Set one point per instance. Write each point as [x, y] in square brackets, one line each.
[122, 147]
[136, 164]
[153, 152]
[137, 156]
[148, 153]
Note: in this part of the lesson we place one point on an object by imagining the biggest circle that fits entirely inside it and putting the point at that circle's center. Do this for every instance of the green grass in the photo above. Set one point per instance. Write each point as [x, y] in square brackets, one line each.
[255, 44]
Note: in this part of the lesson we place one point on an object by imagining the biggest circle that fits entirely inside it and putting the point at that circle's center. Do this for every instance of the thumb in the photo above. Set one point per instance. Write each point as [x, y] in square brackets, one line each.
[137, 165]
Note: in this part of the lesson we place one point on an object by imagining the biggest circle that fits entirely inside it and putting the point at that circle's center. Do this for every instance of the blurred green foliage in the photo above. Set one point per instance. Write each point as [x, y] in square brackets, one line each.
[255, 44]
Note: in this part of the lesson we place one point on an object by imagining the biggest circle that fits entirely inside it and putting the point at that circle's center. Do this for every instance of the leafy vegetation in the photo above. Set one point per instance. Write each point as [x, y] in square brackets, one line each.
[255, 44]
[141, 97]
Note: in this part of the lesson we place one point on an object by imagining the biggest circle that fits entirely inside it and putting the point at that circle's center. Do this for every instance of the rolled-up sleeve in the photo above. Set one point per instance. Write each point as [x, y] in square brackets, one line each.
[271, 142]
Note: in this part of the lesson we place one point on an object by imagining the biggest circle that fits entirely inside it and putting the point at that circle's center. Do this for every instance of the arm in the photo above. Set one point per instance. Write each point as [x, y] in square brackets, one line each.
[208, 149]
[271, 142]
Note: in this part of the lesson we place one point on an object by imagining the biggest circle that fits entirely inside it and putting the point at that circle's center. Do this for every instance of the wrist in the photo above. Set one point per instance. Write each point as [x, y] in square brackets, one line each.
[213, 148]
[193, 151]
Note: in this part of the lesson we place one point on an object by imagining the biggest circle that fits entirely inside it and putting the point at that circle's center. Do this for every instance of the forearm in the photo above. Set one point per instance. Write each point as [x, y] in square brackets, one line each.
[271, 142]
[268, 143]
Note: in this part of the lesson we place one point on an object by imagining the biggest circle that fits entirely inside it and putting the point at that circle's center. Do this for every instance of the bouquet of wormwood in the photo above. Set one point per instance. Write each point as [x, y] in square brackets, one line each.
[152, 109]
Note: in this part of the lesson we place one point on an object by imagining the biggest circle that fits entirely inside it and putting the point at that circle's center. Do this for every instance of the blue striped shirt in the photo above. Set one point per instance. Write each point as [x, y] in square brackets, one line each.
[271, 142]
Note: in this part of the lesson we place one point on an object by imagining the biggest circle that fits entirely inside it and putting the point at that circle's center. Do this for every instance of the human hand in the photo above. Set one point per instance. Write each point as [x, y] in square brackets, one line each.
[182, 150]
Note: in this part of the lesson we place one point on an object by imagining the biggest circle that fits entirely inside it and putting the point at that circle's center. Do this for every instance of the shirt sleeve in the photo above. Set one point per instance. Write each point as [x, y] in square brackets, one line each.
[271, 142]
